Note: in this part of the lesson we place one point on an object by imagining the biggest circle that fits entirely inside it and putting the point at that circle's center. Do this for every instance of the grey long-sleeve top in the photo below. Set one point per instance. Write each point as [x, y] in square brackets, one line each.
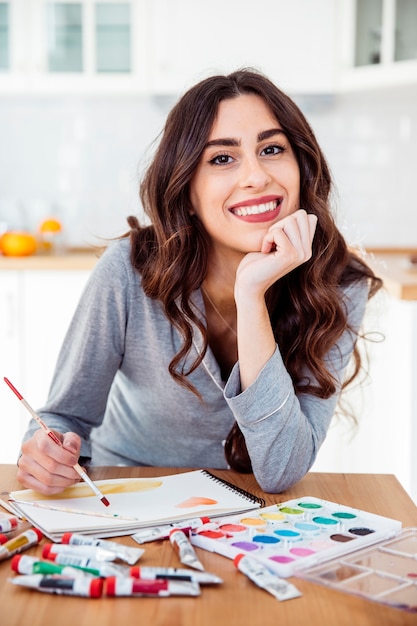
[112, 387]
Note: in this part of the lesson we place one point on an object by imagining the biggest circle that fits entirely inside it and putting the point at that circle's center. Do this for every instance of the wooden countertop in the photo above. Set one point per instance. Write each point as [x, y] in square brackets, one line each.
[237, 601]
[397, 271]
[391, 264]
[71, 260]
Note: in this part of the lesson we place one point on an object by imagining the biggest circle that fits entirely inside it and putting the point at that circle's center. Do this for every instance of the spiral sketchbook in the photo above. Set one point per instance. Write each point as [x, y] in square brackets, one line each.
[134, 503]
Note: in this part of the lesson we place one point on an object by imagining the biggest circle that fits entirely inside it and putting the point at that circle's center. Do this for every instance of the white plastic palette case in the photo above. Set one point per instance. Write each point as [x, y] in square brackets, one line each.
[385, 572]
[332, 544]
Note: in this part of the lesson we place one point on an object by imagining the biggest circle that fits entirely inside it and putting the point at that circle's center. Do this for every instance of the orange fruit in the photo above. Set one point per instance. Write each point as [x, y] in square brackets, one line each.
[17, 243]
[50, 225]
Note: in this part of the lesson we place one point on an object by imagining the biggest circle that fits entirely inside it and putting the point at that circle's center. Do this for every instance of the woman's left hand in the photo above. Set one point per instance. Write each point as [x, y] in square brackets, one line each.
[286, 245]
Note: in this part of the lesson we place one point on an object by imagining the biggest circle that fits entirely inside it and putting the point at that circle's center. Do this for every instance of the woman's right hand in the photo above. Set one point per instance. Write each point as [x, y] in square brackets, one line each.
[286, 245]
[47, 467]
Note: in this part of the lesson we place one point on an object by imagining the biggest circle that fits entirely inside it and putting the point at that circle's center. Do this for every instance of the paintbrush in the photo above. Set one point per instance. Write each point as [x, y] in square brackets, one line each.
[55, 439]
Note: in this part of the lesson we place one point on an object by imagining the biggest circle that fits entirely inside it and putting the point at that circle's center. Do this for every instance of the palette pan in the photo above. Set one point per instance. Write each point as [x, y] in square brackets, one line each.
[294, 535]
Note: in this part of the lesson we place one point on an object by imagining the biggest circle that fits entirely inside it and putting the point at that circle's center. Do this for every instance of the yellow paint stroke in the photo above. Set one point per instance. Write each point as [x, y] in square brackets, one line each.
[81, 490]
[195, 501]
[252, 521]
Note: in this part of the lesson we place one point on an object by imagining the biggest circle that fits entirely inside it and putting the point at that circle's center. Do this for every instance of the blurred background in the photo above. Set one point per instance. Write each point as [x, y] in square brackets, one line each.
[85, 87]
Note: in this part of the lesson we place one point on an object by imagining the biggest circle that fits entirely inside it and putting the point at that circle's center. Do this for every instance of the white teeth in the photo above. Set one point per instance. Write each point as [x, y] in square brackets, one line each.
[258, 208]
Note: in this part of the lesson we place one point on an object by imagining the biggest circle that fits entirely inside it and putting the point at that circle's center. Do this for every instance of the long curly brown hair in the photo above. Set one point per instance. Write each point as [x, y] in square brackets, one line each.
[171, 253]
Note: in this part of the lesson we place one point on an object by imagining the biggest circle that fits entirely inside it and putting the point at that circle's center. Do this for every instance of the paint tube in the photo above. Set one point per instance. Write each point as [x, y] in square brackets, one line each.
[124, 553]
[62, 585]
[91, 552]
[24, 564]
[174, 573]
[185, 550]
[140, 587]
[8, 523]
[262, 577]
[162, 532]
[19, 543]
[105, 568]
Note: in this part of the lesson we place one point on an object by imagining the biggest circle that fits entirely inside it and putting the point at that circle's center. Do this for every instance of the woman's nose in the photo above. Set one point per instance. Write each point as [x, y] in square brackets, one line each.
[254, 174]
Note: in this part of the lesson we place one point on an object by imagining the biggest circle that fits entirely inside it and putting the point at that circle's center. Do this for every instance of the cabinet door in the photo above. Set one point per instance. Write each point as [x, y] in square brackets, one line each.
[50, 299]
[11, 410]
[73, 46]
[190, 39]
[378, 44]
[36, 308]
[385, 404]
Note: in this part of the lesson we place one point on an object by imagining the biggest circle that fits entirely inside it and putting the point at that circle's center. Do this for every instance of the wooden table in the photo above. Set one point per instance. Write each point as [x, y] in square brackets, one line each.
[237, 602]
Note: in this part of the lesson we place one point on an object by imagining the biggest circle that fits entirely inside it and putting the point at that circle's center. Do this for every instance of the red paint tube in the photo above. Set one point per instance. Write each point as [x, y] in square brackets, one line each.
[140, 587]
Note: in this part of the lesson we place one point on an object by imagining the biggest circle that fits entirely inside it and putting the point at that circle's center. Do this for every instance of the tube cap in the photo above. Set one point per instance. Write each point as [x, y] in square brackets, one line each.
[3, 538]
[66, 537]
[46, 551]
[15, 562]
[38, 532]
[237, 559]
[135, 572]
[96, 588]
[111, 585]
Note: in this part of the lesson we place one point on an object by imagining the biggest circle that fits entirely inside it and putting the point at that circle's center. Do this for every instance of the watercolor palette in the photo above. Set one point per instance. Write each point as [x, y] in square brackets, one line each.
[385, 572]
[291, 536]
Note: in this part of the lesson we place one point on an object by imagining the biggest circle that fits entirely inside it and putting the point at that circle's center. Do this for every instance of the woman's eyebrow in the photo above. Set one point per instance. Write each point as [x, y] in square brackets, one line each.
[222, 142]
[266, 134]
[230, 142]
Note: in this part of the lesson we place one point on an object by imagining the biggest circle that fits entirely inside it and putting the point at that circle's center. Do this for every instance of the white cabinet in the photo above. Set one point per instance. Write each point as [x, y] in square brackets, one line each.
[385, 440]
[163, 46]
[73, 46]
[158, 47]
[11, 355]
[49, 299]
[294, 43]
[35, 310]
[378, 46]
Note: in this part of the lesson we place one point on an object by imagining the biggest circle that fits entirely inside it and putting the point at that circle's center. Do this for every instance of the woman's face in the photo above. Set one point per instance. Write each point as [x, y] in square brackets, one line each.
[248, 177]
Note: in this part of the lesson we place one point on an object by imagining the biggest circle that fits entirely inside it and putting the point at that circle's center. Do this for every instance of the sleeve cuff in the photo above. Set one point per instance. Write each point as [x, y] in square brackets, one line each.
[267, 394]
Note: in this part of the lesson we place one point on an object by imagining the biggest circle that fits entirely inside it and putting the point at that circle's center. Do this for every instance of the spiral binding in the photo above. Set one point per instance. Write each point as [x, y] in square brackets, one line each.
[246, 494]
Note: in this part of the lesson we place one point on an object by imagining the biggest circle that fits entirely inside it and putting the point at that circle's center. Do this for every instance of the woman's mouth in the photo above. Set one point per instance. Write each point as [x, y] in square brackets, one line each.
[258, 212]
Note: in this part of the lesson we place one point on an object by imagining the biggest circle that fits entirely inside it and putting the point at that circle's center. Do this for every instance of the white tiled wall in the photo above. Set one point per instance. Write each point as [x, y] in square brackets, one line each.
[370, 140]
[77, 158]
[81, 157]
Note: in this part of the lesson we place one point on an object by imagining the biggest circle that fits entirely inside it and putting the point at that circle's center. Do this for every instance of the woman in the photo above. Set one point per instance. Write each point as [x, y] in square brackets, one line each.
[219, 335]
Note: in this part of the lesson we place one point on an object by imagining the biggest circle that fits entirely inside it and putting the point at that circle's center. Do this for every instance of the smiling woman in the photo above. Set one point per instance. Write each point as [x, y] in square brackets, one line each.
[220, 334]
[248, 175]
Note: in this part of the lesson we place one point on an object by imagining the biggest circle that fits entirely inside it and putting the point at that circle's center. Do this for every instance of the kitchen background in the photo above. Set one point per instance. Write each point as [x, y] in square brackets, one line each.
[84, 90]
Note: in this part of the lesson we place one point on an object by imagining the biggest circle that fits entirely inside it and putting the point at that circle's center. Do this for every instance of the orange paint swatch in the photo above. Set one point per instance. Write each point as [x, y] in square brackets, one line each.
[195, 501]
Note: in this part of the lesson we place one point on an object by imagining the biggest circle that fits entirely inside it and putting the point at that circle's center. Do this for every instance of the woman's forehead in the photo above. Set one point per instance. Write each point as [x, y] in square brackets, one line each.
[239, 114]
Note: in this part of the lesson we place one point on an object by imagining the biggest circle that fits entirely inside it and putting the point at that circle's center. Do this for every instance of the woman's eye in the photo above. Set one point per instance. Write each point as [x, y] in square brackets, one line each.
[273, 149]
[221, 159]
